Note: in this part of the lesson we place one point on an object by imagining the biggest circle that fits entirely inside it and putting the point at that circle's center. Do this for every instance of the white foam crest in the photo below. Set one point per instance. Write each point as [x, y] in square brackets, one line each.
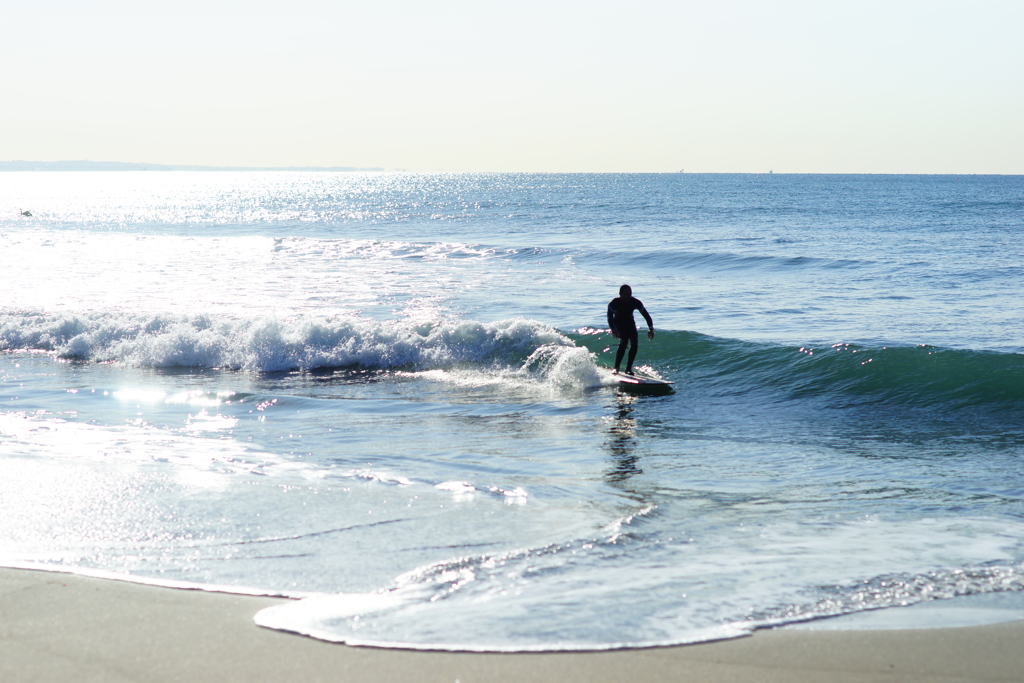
[567, 368]
[268, 344]
[551, 370]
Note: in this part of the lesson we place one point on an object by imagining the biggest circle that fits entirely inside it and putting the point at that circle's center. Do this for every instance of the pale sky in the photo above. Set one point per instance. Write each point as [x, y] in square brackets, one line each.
[559, 85]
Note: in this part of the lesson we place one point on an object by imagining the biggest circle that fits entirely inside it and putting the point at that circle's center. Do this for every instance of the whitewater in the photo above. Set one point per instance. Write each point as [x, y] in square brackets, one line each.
[378, 393]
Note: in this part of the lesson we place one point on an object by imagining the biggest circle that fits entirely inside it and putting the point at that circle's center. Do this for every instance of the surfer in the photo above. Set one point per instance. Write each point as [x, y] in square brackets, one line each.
[620, 320]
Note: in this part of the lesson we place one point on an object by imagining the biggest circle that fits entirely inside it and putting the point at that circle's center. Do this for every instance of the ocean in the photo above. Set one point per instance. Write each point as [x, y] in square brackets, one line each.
[378, 392]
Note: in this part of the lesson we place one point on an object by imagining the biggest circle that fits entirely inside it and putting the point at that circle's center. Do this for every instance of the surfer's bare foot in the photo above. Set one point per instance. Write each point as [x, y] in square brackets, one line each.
[629, 371]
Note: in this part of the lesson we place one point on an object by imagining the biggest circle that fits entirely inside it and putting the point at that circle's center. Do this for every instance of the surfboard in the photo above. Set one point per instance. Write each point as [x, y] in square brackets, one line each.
[638, 383]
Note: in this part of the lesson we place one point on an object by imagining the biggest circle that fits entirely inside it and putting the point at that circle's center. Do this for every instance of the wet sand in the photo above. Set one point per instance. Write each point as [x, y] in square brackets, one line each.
[61, 627]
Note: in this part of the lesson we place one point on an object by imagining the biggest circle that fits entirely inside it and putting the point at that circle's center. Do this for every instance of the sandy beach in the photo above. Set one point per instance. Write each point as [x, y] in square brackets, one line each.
[61, 627]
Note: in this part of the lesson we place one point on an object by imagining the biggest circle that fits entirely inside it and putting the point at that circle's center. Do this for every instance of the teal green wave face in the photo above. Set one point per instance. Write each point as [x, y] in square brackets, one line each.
[840, 374]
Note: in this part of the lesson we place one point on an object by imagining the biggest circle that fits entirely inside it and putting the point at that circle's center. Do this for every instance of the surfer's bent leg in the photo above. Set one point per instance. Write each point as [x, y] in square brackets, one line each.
[623, 343]
[635, 342]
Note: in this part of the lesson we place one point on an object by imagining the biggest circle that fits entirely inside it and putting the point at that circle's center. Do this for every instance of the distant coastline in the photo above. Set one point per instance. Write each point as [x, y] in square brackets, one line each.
[129, 166]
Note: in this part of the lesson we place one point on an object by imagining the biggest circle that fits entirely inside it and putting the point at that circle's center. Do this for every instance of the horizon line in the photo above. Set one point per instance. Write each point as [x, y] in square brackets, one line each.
[130, 166]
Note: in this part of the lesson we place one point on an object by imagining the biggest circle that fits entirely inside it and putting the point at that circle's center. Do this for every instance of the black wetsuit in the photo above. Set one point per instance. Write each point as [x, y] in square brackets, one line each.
[620, 320]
